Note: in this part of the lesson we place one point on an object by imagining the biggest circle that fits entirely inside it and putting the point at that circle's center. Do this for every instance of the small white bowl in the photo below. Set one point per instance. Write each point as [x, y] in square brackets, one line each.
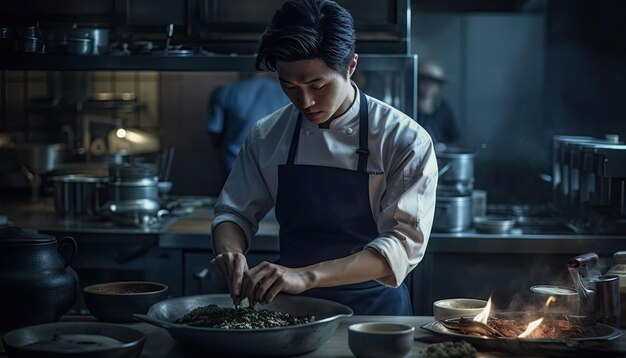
[379, 339]
[457, 307]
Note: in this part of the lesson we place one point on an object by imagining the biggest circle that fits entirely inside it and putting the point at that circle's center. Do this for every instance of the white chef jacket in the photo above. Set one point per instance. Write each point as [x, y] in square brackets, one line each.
[401, 164]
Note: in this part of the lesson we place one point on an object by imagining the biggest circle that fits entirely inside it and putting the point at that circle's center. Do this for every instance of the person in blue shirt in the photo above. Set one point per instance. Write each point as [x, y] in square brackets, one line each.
[235, 107]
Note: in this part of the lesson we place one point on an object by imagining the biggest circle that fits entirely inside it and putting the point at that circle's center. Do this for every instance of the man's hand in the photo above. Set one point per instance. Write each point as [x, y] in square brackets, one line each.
[263, 282]
[229, 244]
[231, 266]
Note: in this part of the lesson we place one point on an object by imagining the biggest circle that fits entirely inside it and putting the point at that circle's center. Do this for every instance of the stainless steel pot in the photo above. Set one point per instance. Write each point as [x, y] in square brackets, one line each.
[139, 189]
[22, 163]
[456, 172]
[267, 342]
[132, 171]
[76, 195]
[453, 213]
[565, 299]
[80, 46]
[100, 38]
[35, 157]
[141, 212]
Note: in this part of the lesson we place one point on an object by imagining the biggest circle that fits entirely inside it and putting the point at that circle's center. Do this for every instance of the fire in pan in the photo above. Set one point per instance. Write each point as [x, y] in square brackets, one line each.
[528, 332]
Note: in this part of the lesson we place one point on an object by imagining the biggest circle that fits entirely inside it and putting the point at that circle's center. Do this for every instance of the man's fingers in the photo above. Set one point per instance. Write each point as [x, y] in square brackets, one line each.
[274, 290]
[263, 286]
[237, 277]
[215, 266]
[251, 285]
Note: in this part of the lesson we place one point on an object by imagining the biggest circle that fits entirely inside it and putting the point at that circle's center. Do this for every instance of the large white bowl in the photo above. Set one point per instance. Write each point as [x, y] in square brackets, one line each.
[457, 307]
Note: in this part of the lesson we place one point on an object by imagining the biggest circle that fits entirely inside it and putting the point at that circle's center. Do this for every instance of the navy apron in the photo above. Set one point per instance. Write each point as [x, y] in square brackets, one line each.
[324, 213]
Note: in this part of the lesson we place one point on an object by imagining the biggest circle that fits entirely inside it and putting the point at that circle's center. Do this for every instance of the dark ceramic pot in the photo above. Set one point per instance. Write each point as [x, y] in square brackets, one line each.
[36, 283]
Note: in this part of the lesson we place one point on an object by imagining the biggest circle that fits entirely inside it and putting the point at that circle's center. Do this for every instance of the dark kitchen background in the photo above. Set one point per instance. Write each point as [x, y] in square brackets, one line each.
[518, 73]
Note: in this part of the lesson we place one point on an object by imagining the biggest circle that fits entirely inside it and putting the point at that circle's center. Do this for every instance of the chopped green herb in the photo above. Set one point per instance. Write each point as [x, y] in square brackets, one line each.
[460, 349]
[240, 318]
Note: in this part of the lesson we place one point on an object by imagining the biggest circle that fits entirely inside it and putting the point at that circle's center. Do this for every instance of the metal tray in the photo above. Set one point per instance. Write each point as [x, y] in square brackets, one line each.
[600, 340]
[278, 341]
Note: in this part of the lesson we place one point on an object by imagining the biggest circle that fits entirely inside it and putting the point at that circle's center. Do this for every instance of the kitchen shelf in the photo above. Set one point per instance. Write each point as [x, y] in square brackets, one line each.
[240, 63]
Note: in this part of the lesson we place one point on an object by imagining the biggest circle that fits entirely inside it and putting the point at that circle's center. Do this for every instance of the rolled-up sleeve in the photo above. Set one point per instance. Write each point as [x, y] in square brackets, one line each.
[407, 209]
[245, 198]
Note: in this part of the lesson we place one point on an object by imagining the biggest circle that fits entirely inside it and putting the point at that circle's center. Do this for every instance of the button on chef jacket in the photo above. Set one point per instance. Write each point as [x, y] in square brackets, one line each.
[402, 172]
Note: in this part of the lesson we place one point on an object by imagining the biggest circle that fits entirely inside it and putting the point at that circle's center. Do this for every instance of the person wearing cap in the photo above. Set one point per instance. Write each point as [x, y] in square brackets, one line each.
[353, 179]
[434, 112]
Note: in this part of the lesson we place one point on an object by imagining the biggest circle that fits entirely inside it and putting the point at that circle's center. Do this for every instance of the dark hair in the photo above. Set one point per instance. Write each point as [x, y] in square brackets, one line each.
[308, 29]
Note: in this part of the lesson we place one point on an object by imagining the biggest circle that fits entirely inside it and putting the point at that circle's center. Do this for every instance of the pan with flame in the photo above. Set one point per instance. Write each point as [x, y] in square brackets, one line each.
[526, 331]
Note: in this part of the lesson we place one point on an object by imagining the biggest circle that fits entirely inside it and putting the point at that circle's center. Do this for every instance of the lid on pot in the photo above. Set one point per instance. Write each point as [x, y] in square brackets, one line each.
[455, 152]
[12, 235]
[454, 198]
[131, 171]
[79, 178]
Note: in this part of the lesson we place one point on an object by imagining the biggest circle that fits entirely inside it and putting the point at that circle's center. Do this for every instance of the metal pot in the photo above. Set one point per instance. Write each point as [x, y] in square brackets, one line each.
[139, 189]
[7, 40]
[21, 164]
[132, 171]
[135, 212]
[36, 283]
[565, 299]
[80, 46]
[35, 157]
[76, 195]
[100, 38]
[456, 171]
[453, 213]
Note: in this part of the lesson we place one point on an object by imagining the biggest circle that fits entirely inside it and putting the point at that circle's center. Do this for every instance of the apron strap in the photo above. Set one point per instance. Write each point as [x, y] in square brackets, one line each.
[362, 151]
[295, 138]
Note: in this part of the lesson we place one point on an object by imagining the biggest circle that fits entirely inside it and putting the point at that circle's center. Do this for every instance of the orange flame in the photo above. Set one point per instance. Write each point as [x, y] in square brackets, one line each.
[534, 324]
[531, 327]
[483, 316]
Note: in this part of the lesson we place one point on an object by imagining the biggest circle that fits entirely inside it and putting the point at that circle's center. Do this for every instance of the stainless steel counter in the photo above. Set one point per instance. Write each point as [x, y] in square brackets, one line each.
[193, 232]
[467, 264]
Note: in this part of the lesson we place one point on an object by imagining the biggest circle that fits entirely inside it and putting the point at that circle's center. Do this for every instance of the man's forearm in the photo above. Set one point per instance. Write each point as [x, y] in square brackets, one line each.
[359, 267]
[228, 237]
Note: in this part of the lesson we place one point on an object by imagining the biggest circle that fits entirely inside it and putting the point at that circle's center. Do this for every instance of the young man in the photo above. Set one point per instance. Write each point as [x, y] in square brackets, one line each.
[353, 179]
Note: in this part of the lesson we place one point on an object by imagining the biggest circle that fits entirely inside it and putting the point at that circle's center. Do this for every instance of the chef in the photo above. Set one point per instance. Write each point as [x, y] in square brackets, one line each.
[352, 179]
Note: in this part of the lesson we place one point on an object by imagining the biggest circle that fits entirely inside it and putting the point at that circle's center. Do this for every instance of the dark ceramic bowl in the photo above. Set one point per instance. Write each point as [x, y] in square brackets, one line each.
[380, 339]
[118, 301]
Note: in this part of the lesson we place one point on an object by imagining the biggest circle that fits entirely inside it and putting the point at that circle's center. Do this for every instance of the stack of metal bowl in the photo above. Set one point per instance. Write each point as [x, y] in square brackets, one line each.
[453, 211]
[133, 193]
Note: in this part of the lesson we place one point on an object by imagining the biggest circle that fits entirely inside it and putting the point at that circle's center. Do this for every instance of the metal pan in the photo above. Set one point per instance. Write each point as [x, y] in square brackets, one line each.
[279, 341]
[600, 339]
[74, 339]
